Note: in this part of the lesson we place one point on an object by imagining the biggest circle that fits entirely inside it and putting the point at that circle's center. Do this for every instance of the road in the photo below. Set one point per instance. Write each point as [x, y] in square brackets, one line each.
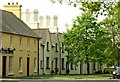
[60, 80]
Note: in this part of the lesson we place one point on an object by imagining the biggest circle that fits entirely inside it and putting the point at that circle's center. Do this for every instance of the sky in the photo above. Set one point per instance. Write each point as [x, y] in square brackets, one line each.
[65, 12]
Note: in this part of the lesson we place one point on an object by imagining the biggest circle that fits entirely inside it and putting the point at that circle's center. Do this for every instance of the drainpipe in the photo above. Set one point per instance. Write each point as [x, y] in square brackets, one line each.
[43, 60]
[38, 56]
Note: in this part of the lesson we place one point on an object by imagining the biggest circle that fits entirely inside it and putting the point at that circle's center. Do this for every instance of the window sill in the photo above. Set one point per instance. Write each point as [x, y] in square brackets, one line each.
[20, 72]
[21, 49]
[35, 50]
[63, 68]
[47, 68]
[28, 50]
[10, 74]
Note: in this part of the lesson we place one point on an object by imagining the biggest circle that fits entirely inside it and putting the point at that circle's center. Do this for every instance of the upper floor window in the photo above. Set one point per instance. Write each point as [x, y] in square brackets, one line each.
[20, 43]
[35, 45]
[11, 41]
[63, 48]
[28, 44]
[56, 47]
[0, 42]
[48, 46]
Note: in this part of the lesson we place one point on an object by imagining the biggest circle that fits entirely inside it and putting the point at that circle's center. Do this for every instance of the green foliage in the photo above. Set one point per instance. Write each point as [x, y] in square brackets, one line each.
[96, 41]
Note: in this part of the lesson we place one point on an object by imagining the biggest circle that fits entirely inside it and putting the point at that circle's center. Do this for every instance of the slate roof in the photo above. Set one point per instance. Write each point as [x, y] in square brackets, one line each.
[42, 32]
[54, 38]
[9, 23]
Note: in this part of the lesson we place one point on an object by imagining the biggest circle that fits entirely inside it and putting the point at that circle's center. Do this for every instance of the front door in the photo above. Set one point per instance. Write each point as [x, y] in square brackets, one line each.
[28, 63]
[4, 66]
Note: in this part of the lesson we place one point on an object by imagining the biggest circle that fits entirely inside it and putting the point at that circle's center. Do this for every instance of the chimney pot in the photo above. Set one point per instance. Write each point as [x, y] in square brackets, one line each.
[12, 3]
[16, 3]
[8, 3]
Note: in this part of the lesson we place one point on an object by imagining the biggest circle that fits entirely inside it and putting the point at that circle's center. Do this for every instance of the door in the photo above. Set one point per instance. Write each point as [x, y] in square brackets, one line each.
[28, 63]
[4, 66]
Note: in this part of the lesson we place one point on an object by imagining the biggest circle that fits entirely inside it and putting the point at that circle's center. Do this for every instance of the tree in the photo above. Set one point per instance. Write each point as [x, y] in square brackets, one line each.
[84, 39]
[108, 33]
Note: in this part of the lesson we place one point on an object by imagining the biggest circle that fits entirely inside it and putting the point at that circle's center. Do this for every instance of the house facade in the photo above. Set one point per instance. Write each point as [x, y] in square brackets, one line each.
[45, 65]
[18, 47]
[40, 56]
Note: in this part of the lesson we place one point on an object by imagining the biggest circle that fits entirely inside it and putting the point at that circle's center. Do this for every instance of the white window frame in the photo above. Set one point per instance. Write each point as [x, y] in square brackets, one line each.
[35, 64]
[0, 43]
[28, 44]
[35, 45]
[20, 64]
[20, 43]
[11, 41]
[10, 64]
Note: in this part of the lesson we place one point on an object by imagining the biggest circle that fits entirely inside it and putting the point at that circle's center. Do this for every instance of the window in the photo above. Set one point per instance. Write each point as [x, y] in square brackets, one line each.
[10, 64]
[35, 45]
[71, 66]
[56, 62]
[28, 44]
[41, 64]
[47, 46]
[47, 62]
[62, 63]
[75, 66]
[20, 43]
[0, 43]
[56, 49]
[20, 64]
[62, 48]
[10, 41]
[94, 66]
[35, 64]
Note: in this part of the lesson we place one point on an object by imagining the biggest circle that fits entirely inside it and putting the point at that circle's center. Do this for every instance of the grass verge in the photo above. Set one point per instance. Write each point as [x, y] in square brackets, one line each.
[70, 76]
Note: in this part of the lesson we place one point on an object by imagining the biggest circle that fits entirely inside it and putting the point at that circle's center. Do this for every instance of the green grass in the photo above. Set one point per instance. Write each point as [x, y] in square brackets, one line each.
[71, 76]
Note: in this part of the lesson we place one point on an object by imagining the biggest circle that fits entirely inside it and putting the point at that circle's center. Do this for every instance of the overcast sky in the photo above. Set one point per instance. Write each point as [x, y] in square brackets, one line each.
[65, 13]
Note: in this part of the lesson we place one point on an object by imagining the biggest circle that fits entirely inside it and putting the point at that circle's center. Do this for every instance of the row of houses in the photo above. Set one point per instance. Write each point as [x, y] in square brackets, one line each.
[25, 51]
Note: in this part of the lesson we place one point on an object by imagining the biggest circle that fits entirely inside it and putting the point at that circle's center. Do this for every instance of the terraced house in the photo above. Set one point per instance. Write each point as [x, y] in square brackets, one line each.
[45, 63]
[18, 47]
[43, 56]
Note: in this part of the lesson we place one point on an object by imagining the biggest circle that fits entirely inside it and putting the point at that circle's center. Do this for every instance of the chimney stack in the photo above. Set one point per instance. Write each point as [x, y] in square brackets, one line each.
[15, 8]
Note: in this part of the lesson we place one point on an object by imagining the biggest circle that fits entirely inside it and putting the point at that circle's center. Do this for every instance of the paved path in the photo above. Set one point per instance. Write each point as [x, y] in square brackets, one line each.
[59, 80]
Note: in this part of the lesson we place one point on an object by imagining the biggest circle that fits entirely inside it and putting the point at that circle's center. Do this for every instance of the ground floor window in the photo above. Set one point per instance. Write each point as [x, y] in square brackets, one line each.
[35, 64]
[20, 64]
[10, 64]
[47, 62]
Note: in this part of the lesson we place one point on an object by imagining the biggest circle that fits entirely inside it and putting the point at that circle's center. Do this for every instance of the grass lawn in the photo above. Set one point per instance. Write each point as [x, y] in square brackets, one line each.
[71, 76]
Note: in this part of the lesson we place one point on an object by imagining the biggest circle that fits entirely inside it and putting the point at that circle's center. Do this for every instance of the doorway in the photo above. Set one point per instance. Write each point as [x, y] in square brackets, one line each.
[28, 64]
[4, 66]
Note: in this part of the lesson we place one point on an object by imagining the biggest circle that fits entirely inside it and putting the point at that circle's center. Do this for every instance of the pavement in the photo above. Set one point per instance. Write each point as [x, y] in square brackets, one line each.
[105, 79]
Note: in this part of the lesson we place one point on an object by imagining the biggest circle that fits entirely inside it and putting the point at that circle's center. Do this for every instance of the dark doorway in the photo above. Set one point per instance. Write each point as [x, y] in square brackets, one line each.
[67, 68]
[28, 63]
[4, 66]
